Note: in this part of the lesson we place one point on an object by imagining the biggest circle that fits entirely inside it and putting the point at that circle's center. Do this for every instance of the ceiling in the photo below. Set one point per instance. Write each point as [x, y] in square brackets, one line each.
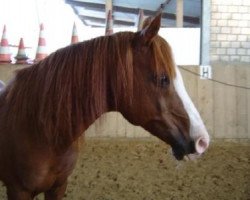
[125, 12]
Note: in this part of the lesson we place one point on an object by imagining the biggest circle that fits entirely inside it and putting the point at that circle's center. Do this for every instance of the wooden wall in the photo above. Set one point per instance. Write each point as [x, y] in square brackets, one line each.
[224, 109]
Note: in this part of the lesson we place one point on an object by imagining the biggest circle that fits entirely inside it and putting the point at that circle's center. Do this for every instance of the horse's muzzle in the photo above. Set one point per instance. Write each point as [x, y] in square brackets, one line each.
[180, 150]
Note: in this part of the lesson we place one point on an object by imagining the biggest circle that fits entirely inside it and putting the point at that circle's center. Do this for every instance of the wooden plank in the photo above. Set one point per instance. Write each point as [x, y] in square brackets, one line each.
[91, 131]
[105, 126]
[141, 133]
[218, 106]
[130, 132]
[179, 13]
[248, 102]
[115, 126]
[109, 127]
[108, 6]
[205, 104]
[241, 102]
[7, 71]
[98, 128]
[120, 125]
[230, 108]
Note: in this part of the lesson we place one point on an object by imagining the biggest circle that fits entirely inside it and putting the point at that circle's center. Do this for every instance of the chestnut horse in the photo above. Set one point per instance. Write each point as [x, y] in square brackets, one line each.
[47, 106]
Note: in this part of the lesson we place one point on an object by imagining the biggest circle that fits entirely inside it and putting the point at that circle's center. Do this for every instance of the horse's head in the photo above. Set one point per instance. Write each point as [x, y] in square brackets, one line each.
[160, 103]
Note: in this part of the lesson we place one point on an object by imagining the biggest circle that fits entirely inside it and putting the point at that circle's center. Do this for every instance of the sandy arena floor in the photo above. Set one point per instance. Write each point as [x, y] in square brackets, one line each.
[145, 170]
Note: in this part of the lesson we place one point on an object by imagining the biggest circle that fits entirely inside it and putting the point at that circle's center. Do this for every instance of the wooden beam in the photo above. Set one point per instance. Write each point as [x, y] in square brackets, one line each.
[88, 5]
[100, 14]
[179, 13]
[109, 17]
[102, 20]
[101, 7]
[108, 6]
[76, 12]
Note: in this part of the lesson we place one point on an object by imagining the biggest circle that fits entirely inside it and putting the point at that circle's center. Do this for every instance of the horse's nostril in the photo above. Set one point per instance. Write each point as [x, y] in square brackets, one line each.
[201, 144]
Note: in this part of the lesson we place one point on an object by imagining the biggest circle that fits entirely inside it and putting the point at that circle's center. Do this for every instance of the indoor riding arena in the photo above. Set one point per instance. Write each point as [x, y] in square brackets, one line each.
[139, 137]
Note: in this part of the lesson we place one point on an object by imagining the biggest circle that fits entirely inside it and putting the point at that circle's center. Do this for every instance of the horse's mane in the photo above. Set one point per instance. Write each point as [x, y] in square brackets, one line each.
[74, 85]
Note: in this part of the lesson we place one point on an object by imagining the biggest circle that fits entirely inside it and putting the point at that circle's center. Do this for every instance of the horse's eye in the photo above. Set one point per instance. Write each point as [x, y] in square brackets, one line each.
[161, 81]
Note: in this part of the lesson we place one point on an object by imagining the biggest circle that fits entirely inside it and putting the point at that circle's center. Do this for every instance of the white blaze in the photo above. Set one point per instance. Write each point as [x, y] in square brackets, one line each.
[198, 130]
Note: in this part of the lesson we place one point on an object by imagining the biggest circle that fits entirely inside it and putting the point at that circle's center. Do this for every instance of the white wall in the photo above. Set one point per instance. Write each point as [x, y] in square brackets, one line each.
[185, 43]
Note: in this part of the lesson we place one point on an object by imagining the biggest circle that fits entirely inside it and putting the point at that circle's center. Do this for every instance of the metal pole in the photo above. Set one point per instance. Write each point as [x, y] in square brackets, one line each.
[205, 32]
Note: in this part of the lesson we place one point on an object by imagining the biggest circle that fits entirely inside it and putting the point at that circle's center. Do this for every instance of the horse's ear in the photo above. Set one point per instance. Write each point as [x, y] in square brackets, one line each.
[150, 28]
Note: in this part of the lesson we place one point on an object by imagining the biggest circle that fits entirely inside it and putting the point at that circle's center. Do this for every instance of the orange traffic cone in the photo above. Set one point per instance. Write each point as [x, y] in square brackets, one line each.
[21, 57]
[4, 48]
[109, 23]
[74, 38]
[140, 20]
[41, 52]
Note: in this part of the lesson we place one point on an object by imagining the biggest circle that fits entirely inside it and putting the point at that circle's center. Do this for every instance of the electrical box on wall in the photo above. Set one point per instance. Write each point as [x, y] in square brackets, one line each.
[205, 72]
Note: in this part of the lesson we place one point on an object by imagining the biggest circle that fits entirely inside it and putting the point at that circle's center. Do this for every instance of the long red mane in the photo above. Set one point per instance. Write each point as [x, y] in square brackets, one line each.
[74, 85]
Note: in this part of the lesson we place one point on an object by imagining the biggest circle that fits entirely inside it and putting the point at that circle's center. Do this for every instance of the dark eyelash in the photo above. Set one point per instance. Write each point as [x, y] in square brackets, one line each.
[161, 81]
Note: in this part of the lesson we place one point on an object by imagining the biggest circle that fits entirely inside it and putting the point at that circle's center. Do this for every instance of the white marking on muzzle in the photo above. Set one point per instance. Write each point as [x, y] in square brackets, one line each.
[198, 130]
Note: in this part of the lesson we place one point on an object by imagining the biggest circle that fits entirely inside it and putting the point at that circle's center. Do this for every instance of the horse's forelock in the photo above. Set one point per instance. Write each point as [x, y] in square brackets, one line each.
[163, 57]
